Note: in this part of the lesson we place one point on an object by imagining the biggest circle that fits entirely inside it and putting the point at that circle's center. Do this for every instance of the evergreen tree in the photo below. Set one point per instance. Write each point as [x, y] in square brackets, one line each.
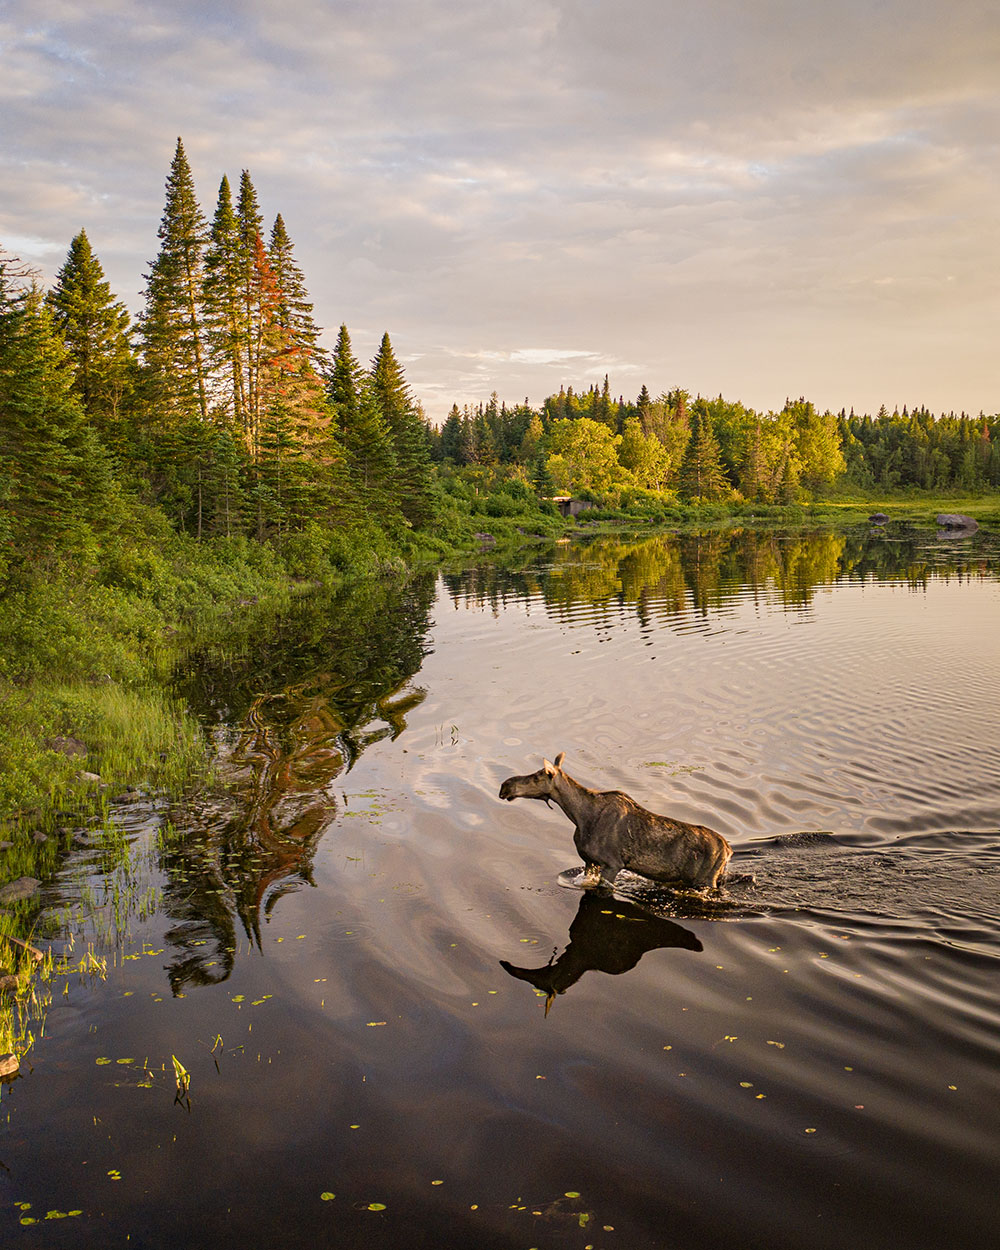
[56, 473]
[297, 458]
[344, 383]
[295, 311]
[391, 398]
[451, 436]
[223, 290]
[701, 476]
[171, 324]
[250, 322]
[94, 328]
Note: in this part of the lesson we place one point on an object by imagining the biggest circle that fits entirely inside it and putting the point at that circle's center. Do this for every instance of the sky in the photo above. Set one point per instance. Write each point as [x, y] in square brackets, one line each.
[755, 198]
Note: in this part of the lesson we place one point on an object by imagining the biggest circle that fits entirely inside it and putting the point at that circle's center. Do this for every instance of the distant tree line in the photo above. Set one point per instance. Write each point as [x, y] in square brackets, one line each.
[715, 449]
[220, 411]
[217, 407]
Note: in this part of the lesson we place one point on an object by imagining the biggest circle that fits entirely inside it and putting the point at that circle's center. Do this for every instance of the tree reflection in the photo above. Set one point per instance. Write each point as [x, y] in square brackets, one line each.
[292, 702]
[672, 577]
[607, 935]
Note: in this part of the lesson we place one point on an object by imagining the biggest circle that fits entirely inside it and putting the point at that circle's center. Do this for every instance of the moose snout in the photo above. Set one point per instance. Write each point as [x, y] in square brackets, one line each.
[506, 791]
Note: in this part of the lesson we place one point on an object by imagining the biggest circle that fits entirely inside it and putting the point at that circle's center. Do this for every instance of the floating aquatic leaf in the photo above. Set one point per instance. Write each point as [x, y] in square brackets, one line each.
[746, 1084]
[810, 1130]
[103, 1061]
[376, 1206]
[572, 1193]
[238, 998]
[327, 1196]
[780, 1045]
[437, 1182]
[374, 1024]
[124, 1061]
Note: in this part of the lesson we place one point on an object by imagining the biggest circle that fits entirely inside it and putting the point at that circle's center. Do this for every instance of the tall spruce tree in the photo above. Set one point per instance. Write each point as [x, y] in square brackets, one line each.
[171, 324]
[394, 404]
[251, 323]
[223, 304]
[295, 312]
[57, 478]
[94, 328]
[702, 477]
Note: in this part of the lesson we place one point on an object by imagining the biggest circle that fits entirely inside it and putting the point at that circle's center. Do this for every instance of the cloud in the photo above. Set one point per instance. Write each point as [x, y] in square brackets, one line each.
[725, 196]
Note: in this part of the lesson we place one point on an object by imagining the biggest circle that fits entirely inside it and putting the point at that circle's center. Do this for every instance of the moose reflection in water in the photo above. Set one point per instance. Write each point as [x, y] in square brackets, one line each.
[340, 680]
[612, 831]
[607, 935]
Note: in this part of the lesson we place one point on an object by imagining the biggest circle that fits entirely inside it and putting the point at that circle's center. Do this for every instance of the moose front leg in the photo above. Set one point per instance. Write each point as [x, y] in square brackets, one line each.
[591, 877]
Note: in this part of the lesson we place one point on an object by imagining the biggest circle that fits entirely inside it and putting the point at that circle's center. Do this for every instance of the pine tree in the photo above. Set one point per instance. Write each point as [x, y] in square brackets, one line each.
[94, 328]
[298, 460]
[344, 383]
[171, 324]
[250, 323]
[57, 475]
[223, 304]
[295, 311]
[391, 398]
[702, 476]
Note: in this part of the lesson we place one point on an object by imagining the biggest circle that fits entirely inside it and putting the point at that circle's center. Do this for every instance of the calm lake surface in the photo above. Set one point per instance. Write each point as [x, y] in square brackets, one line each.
[811, 1060]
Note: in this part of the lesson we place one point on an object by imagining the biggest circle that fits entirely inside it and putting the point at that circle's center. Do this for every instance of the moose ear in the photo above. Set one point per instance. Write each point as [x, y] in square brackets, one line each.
[549, 768]
[559, 759]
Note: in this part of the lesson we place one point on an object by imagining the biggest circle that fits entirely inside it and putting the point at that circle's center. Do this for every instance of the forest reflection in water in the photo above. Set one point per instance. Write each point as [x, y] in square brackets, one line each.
[291, 702]
[669, 574]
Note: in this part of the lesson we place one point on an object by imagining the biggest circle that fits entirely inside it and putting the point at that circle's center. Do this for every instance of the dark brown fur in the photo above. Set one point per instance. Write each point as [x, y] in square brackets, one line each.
[613, 832]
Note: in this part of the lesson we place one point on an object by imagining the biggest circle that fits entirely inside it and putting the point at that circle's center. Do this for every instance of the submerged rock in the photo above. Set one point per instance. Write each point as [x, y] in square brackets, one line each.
[23, 887]
[9, 1065]
[956, 521]
[878, 518]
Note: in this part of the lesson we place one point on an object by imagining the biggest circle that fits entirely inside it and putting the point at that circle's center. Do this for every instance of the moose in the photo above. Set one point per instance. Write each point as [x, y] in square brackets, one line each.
[613, 832]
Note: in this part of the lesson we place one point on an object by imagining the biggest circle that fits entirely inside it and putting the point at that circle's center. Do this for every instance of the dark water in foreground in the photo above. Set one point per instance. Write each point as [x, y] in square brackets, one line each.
[811, 1061]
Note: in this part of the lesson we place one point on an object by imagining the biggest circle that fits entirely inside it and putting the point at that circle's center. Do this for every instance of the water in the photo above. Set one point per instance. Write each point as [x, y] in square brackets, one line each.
[809, 1060]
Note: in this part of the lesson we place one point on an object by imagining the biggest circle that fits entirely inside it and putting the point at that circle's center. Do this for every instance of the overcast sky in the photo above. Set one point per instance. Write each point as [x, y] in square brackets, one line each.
[758, 198]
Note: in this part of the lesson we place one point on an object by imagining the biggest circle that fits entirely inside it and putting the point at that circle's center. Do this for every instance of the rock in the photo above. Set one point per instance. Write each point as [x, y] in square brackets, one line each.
[9, 1065]
[7, 981]
[956, 521]
[5, 846]
[487, 540]
[39, 836]
[88, 778]
[66, 745]
[878, 518]
[23, 887]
